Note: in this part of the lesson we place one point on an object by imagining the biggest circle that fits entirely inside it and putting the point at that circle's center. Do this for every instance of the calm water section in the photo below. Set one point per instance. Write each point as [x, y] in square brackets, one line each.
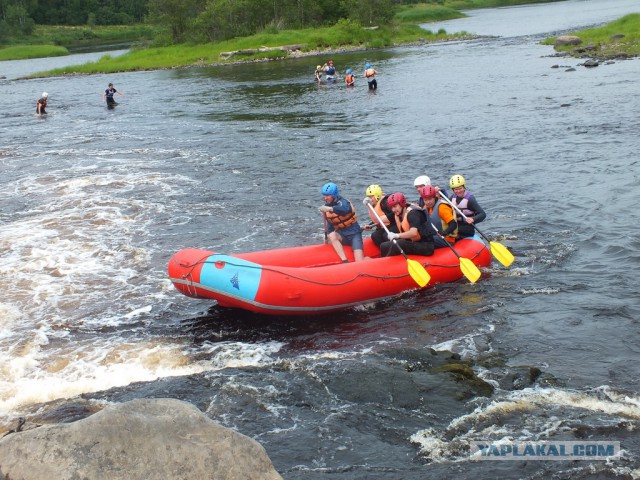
[95, 201]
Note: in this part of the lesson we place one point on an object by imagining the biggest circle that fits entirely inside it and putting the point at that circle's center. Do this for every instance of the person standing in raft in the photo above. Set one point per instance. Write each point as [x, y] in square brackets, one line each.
[41, 104]
[318, 73]
[370, 74]
[378, 201]
[330, 71]
[350, 80]
[342, 223]
[108, 96]
[415, 235]
[440, 215]
[468, 204]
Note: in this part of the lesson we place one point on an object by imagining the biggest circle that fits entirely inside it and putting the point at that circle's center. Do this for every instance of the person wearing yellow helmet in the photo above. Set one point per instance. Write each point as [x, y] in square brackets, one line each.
[467, 204]
[318, 73]
[379, 201]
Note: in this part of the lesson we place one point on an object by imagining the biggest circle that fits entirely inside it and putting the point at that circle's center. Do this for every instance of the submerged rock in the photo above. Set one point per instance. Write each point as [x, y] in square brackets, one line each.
[141, 439]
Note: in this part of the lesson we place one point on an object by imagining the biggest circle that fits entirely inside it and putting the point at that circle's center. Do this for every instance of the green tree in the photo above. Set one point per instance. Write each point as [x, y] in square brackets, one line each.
[177, 16]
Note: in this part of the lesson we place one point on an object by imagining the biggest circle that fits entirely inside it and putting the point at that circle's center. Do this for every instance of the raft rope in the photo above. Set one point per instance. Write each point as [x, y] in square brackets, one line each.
[188, 276]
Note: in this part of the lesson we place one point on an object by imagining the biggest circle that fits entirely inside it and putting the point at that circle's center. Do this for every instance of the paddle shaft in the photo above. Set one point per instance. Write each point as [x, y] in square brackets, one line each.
[326, 235]
[445, 240]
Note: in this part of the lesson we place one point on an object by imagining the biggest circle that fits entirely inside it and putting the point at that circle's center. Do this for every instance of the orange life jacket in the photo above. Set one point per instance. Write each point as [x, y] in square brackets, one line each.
[369, 72]
[349, 79]
[342, 221]
[403, 224]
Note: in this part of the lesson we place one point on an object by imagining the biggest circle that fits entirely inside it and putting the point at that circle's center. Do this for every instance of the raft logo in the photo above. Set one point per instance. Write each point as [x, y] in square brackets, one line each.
[234, 281]
[501, 450]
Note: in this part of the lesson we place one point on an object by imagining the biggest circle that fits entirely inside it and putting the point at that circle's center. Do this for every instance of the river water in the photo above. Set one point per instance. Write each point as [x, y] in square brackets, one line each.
[95, 201]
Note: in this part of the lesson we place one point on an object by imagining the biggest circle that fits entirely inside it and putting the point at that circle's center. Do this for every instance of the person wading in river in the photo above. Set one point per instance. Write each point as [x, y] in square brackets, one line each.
[108, 95]
[41, 104]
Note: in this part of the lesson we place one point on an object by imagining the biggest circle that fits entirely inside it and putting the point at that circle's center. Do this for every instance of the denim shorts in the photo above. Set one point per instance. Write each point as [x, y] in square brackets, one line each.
[354, 240]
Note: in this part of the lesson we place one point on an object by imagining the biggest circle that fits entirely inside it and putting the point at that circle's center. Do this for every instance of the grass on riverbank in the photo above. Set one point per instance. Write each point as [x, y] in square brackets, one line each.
[22, 52]
[343, 36]
[56, 40]
[605, 40]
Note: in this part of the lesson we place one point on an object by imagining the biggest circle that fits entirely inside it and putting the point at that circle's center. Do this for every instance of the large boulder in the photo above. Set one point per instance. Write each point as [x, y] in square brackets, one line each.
[564, 40]
[141, 439]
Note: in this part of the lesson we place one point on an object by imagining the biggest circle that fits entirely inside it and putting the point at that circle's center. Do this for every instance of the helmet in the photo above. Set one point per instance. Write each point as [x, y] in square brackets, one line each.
[457, 181]
[374, 191]
[45, 94]
[330, 189]
[397, 198]
[318, 67]
[367, 65]
[428, 192]
[421, 180]
[348, 71]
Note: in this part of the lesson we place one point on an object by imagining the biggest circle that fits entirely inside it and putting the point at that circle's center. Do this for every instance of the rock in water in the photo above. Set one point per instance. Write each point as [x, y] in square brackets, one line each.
[143, 439]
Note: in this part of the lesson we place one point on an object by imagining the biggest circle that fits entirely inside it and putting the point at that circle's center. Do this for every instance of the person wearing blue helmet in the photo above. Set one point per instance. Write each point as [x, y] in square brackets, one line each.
[350, 79]
[370, 74]
[341, 223]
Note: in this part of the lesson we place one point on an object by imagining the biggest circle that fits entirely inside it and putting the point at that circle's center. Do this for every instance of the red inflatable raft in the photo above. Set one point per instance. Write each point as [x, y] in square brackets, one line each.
[311, 279]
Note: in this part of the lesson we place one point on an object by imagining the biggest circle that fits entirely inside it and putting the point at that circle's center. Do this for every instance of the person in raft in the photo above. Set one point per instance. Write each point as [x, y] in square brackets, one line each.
[468, 204]
[370, 74]
[342, 223]
[350, 80]
[379, 202]
[41, 104]
[423, 181]
[318, 73]
[330, 71]
[415, 235]
[440, 215]
[108, 95]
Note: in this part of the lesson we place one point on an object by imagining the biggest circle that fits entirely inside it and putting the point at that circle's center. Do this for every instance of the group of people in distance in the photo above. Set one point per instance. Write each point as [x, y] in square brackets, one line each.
[435, 220]
[107, 97]
[331, 75]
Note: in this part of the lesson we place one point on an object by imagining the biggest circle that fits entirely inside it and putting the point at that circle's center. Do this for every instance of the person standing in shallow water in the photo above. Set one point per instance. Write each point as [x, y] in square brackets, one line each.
[370, 74]
[108, 95]
[41, 104]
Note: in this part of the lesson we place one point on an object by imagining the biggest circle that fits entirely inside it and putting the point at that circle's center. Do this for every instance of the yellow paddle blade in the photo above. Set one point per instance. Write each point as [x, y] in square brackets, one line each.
[469, 270]
[418, 273]
[503, 255]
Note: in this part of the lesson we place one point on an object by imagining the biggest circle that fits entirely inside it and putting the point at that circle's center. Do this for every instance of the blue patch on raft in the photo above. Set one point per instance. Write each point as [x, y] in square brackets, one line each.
[237, 277]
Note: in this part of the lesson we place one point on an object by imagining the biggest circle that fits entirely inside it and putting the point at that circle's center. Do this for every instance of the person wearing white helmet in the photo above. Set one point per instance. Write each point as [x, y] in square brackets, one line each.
[318, 73]
[108, 96]
[41, 104]
[467, 204]
[424, 181]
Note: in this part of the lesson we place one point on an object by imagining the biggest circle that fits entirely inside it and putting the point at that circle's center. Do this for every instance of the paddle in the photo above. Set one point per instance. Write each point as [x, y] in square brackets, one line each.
[417, 271]
[467, 267]
[504, 256]
[326, 238]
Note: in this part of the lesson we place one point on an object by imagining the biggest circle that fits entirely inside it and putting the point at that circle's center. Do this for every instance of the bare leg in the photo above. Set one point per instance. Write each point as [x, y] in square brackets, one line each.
[336, 241]
[359, 255]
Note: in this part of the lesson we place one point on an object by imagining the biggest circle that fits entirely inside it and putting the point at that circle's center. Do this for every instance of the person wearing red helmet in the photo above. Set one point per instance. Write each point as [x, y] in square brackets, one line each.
[342, 223]
[439, 214]
[331, 74]
[415, 234]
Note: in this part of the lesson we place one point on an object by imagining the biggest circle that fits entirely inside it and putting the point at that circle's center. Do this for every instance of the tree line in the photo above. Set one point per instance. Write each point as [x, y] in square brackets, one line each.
[193, 20]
